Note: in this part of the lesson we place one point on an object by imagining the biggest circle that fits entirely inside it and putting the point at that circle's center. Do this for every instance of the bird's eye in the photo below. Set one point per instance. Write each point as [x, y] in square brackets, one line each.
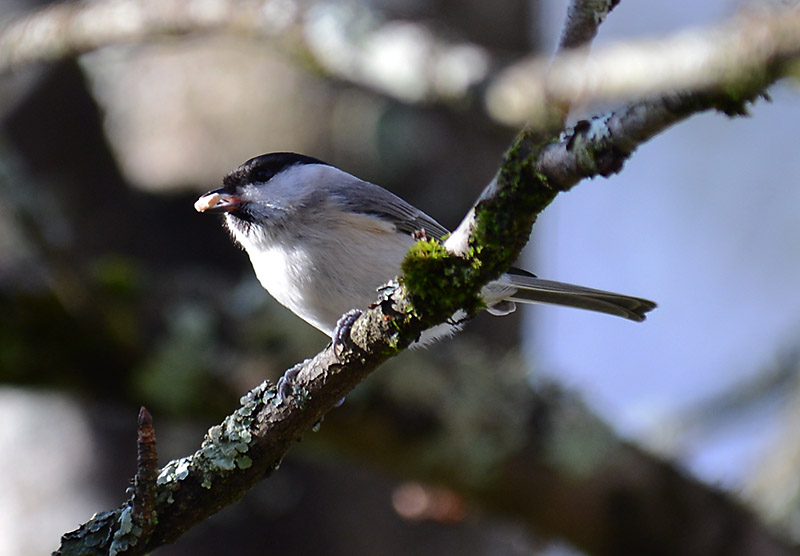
[261, 175]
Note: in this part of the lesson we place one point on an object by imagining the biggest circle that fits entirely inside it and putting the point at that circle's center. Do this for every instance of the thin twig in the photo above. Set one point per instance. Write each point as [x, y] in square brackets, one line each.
[727, 56]
[144, 487]
[580, 28]
[583, 20]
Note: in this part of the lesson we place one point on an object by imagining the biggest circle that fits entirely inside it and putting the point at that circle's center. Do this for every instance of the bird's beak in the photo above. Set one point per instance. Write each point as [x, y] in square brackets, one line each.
[217, 201]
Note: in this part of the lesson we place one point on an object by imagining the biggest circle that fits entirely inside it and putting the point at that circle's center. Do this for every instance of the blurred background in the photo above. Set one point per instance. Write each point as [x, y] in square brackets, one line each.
[117, 294]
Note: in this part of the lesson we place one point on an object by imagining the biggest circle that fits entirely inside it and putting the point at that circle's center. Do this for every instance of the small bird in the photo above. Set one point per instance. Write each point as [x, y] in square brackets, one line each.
[322, 242]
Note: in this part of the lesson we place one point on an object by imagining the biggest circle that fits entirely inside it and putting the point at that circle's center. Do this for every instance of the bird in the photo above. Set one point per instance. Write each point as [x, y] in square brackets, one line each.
[323, 242]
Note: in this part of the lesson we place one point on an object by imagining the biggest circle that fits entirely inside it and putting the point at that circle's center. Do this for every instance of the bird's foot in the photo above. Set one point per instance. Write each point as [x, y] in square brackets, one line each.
[285, 384]
[341, 333]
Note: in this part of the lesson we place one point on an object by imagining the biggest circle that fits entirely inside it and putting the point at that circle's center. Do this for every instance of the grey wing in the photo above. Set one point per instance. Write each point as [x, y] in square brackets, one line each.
[376, 201]
[515, 286]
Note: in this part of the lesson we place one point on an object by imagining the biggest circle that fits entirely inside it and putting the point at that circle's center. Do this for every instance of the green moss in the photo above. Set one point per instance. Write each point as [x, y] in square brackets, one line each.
[504, 221]
[439, 281]
[733, 97]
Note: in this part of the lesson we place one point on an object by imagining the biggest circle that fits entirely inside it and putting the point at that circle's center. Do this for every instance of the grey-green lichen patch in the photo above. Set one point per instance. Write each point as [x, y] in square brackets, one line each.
[244, 462]
[223, 443]
[92, 538]
[175, 471]
[256, 398]
[127, 532]
[300, 395]
[224, 447]
[98, 528]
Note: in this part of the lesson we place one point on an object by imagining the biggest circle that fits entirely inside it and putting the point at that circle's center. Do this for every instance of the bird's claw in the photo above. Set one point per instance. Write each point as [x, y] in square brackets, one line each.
[341, 333]
[339, 340]
[285, 384]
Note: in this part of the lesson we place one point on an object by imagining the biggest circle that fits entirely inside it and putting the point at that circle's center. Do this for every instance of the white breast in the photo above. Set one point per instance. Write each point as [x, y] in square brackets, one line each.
[320, 275]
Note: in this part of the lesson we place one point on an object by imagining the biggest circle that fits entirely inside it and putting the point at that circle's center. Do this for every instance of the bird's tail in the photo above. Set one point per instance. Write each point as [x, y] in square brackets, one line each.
[530, 289]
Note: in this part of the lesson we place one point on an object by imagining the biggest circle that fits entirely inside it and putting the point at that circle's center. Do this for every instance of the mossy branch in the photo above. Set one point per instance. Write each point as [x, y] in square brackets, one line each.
[250, 444]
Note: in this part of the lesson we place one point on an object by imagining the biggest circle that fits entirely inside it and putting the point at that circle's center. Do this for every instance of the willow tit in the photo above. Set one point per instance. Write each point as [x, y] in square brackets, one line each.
[323, 242]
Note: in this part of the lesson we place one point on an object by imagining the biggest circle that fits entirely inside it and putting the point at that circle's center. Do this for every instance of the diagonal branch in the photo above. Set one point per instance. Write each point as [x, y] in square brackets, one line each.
[583, 20]
[251, 442]
[741, 53]
[580, 28]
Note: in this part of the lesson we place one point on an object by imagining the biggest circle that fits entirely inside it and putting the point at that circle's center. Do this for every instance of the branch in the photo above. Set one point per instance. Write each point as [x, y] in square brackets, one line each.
[145, 488]
[596, 147]
[437, 281]
[346, 40]
[437, 70]
[251, 443]
[736, 53]
[71, 28]
[583, 20]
